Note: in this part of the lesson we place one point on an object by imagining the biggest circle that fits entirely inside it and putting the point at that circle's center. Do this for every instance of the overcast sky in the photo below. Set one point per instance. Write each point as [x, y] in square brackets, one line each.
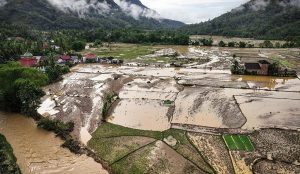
[192, 11]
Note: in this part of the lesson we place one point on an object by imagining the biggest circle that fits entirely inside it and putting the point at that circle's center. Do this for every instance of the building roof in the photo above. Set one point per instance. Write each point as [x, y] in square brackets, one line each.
[91, 56]
[65, 57]
[264, 62]
[252, 66]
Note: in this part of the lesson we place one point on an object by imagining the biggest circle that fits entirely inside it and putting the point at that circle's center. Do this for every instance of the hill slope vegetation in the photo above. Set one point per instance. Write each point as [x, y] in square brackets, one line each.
[267, 19]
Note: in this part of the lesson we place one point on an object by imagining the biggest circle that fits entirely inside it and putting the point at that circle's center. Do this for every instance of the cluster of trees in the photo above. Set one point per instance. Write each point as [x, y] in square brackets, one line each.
[265, 44]
[275, 21]
[16, 40]
[20, 88]
[202, 42]
[236, 68]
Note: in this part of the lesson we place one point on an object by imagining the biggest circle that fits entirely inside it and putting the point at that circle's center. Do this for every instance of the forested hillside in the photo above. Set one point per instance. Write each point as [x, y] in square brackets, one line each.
[71, 14]
[267, 19]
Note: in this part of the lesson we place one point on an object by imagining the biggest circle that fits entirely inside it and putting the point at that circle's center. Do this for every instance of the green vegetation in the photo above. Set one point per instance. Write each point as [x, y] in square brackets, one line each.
[60, 128]
[185, 147]
[275, 21]
[113, 143]
[109, 99]
[8, 161]
[282, 62]
[168, 102]
[238, 142]
[236, 68]
[107, 130]
[136, 163]
[78, 46]
[203, 42]
[21, 88]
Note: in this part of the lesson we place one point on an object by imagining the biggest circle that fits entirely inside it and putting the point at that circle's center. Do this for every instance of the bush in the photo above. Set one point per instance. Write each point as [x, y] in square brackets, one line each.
[61, 129]
[231, 44]
[222, 44]
[72, 145]
[109, 99]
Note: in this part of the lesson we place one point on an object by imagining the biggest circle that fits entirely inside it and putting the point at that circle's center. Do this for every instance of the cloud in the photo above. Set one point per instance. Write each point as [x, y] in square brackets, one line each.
[192, 11]
[81, 7]
[136, 11]
[3, 2]
[257, 5]
[295, 3]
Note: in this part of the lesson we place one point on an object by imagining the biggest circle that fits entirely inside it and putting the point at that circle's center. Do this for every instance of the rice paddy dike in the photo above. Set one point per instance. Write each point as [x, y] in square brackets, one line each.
[197, 118]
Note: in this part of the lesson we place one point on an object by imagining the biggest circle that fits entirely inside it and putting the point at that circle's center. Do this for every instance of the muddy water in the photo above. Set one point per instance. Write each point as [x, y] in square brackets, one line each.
[269, 82]
[39, 151]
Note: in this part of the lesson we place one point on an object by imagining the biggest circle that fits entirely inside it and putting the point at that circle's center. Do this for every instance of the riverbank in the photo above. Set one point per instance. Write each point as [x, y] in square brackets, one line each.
[40, 151]
[8, 161]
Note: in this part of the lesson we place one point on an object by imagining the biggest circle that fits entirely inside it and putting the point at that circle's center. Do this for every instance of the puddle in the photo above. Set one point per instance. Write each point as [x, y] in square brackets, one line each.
[271, 83]
[39, 151]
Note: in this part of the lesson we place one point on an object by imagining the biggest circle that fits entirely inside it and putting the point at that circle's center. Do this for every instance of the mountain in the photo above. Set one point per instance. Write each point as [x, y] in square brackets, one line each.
[267, 19]
[78, 14]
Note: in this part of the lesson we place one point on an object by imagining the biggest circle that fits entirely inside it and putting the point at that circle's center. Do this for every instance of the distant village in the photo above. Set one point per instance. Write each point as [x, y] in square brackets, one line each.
[262, 67]
[29, 60]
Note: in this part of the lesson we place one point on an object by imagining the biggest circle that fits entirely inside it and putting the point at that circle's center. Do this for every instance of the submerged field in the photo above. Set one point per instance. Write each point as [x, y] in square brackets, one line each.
[189, 119]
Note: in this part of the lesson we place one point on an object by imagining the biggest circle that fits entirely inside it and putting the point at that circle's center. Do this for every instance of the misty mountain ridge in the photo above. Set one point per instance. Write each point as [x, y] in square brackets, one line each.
[56, 14]
[269, 19]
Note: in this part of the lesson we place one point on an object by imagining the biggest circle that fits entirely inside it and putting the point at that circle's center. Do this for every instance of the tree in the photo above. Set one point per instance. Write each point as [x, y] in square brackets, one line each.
[236, 68]
[78, 45]
[273, 69]
[222, 44]
[231, 44]
[20, 87]
[242, 44]
[266, 44]
[29, 95]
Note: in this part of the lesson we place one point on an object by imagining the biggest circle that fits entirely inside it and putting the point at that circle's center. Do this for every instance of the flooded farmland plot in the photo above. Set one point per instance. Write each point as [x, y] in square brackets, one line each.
[209, 107]
[198, 103]
[77, 98]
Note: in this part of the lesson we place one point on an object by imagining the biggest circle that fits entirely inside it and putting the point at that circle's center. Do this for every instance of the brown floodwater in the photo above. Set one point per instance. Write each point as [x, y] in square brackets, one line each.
[270, 82]
[40, 152]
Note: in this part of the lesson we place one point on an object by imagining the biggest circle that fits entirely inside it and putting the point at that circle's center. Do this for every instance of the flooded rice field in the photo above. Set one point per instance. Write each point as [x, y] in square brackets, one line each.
[152, 98]
[39, 151]
[141, 114]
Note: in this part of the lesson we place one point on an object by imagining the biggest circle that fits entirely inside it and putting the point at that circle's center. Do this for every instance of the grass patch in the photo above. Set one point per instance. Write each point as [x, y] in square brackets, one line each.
[137, 163]
[238, 142]
[113, 149]
[108, 130]
[186, 149]
[124, 51]
[8, 161]
[283, 62]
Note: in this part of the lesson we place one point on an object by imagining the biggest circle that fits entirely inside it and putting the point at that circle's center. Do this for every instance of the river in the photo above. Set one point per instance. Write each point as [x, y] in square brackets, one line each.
[39, 152]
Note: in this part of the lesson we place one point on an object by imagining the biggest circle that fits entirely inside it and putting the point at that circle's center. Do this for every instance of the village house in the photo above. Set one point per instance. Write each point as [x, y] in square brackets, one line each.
[258, 68]
[28, 60]
[90, 58]
[64, 59]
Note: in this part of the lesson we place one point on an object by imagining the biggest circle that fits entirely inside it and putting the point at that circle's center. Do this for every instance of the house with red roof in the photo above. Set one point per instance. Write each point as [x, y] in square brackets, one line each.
[28, 60]
[90, 58]
[64, 58]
